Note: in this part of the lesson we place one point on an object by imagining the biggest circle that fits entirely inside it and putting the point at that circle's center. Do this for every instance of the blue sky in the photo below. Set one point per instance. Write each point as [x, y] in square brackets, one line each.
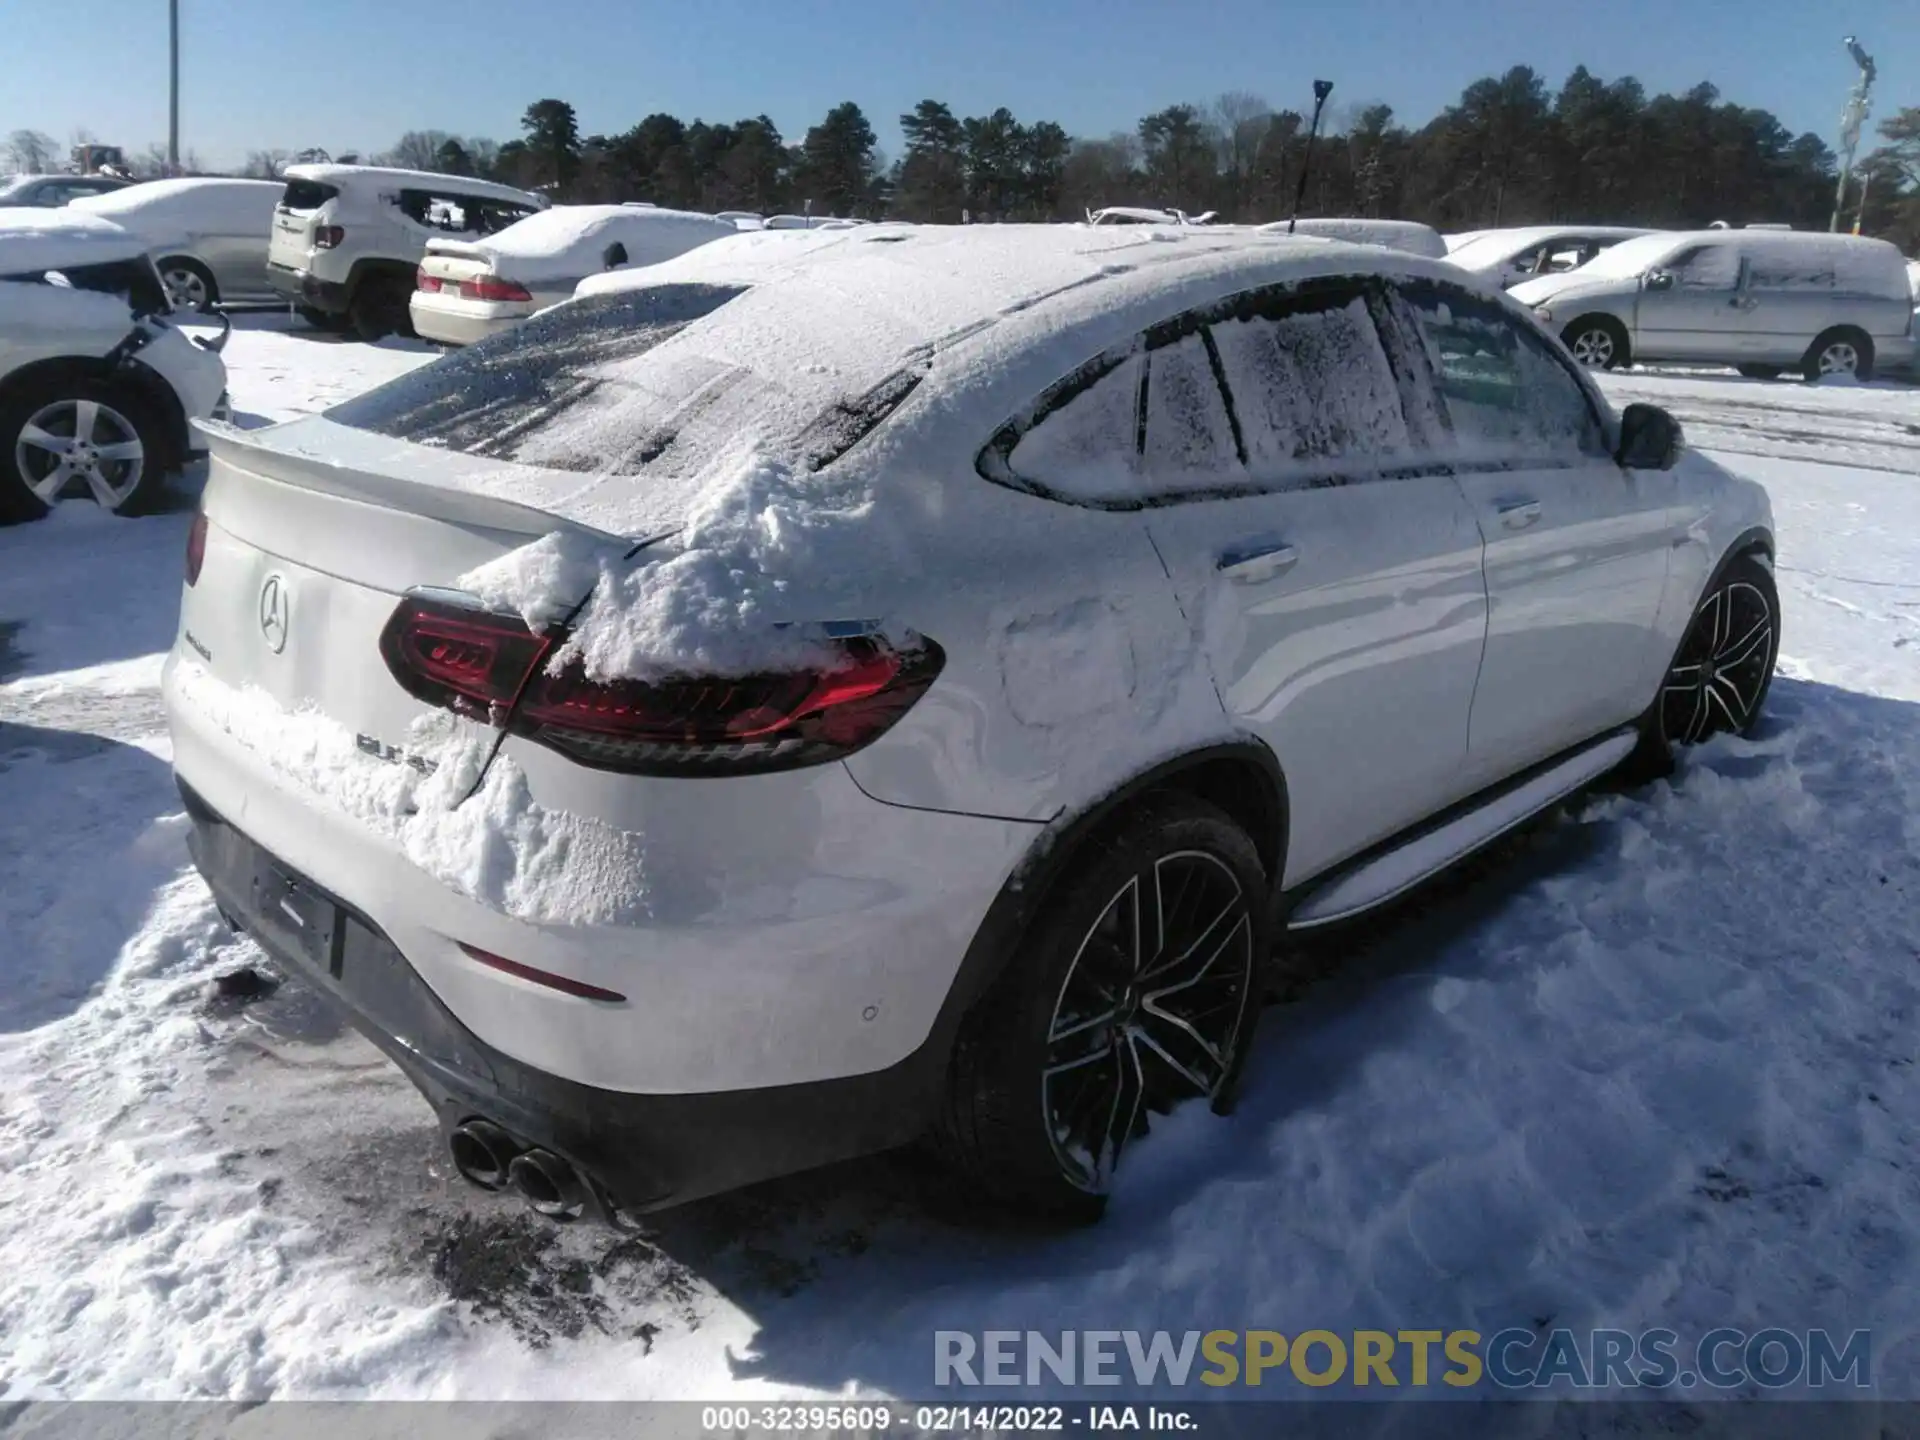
[354, 74]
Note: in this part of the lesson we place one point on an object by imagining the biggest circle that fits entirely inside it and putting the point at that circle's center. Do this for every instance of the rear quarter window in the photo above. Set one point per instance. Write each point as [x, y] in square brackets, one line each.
[306, 195]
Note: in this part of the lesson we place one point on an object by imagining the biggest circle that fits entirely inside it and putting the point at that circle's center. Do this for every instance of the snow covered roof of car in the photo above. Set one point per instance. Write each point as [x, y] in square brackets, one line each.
[1408, 235]
[202, 204]
[34, 240]
[761, 338]
[412, 179]
[1857, 262]
[570, 240]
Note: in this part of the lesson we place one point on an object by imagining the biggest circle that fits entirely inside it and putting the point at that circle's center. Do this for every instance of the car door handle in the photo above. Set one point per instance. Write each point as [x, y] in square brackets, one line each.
[1261, 560]
[1518, 514]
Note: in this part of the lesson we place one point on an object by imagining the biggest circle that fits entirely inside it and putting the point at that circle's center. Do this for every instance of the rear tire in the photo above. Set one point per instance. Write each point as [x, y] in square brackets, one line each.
[1135, 989]
[1720, 676]
[1842, 350]
[1598, 342]
[380, 308]
[108, 438]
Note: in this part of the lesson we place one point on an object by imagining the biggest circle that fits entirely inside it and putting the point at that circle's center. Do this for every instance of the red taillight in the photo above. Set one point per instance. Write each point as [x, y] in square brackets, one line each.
[492, 287]
[547, 978]
[492, 667]
[424, 281]
[196, 547]
[329, 237]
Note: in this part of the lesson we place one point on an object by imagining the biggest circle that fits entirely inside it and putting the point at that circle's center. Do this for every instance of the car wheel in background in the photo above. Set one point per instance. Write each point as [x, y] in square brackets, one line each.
[1720, 675]
[1759, 372]
[1841, 351]
[1134, 991]
[78, 437]
[1597, 341]
[381, 307]
[190, 285]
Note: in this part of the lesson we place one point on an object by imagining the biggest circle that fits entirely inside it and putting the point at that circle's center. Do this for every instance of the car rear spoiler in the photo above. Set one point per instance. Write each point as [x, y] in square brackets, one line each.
[254, 455]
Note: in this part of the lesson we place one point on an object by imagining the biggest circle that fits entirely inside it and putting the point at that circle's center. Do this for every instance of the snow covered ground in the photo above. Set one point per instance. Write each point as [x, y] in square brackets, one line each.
[1654, 1063]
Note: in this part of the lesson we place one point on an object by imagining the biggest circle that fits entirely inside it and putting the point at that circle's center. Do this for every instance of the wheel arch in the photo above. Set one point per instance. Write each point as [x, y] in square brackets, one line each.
[378, 267]
[1241, 777]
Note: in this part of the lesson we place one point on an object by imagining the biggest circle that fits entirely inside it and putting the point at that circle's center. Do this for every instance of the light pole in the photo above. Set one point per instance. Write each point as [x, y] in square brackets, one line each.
[173, 87]
[1321, 89]
[1851, 119]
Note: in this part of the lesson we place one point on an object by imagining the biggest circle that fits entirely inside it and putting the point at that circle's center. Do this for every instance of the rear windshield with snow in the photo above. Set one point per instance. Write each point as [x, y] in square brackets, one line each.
[306, 195]
[662, 380]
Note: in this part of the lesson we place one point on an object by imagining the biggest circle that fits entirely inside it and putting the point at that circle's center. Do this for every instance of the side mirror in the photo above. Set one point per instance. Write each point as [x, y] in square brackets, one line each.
[1659, 280]
[1650, 439]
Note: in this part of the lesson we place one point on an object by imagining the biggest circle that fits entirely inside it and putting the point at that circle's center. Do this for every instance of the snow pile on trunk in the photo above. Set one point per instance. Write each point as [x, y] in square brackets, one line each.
[494, 844]
[718, 597]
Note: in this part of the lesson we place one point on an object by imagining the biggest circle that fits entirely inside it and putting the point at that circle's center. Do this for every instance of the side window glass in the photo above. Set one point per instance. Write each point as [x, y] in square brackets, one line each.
[1792, 272]
[1084, 443]
[1189, 438]
[1508, 395]
[1710, 267]
[1313, 392]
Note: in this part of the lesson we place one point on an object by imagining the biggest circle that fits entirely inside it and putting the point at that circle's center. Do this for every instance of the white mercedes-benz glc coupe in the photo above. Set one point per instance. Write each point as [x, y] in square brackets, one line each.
[798, 699]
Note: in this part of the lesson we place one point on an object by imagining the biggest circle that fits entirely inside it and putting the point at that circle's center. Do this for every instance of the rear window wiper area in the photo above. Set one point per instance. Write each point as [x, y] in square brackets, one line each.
[519, 379]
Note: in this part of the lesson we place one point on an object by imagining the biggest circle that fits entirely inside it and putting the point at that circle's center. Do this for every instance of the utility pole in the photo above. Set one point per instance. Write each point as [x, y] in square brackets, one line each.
[173, 87]
[1321, 89]
[1851, 119]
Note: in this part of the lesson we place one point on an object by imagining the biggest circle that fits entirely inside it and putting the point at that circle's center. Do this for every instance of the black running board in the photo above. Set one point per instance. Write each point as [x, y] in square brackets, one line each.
[1387, 874]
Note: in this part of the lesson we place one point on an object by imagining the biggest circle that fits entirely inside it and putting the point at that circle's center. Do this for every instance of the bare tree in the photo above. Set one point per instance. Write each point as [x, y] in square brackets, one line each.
[151, 163]
[30, 152]
[417, 150]
[265, 164]
[1241, 118]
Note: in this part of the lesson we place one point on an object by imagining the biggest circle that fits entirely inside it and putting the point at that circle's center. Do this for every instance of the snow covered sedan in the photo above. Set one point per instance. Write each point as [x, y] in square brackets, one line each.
[1511, 257]
[208, 234]
[804, 697]
[466, 290]
[97, 388]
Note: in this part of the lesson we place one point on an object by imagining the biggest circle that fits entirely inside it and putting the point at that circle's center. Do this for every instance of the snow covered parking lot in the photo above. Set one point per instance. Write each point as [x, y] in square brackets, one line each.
[1653, 1064]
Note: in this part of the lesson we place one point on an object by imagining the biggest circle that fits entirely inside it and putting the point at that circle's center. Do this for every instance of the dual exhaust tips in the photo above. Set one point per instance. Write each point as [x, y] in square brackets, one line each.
[485, 1155]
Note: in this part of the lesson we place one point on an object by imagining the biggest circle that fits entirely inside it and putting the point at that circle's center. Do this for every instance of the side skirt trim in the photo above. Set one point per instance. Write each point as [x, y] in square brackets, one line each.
[1386, 875]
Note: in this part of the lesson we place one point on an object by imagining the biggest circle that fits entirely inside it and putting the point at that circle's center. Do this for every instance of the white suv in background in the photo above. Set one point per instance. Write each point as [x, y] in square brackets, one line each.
[347, 238]
[97, 388]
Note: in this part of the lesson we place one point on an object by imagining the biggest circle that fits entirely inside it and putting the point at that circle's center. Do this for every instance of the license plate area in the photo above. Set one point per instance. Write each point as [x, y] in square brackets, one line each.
[299, 917]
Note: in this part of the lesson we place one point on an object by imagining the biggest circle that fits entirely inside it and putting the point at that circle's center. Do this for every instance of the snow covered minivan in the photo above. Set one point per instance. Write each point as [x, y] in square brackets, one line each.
[98, 389]
[347, 240]
[827, 690]
[1762, 301]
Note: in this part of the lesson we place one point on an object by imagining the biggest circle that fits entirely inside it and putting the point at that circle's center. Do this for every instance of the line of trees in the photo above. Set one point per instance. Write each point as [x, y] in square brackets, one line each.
[1510, 151]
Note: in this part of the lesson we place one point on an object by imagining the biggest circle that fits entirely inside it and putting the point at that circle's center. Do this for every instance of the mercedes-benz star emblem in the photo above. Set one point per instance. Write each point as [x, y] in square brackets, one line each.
[273, 613]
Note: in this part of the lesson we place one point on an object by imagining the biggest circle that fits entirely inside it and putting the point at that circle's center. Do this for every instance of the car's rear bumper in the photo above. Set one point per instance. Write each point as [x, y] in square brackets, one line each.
[453, 321]
[642, 1151]
[305, 288]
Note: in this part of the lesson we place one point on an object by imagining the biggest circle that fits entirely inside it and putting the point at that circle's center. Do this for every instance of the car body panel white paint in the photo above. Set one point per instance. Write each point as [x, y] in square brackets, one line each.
[1083, 647]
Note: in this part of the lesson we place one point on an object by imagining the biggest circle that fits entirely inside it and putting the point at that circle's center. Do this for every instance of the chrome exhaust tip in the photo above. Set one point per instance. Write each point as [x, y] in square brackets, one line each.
[549, 1185]
[483, 1153]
